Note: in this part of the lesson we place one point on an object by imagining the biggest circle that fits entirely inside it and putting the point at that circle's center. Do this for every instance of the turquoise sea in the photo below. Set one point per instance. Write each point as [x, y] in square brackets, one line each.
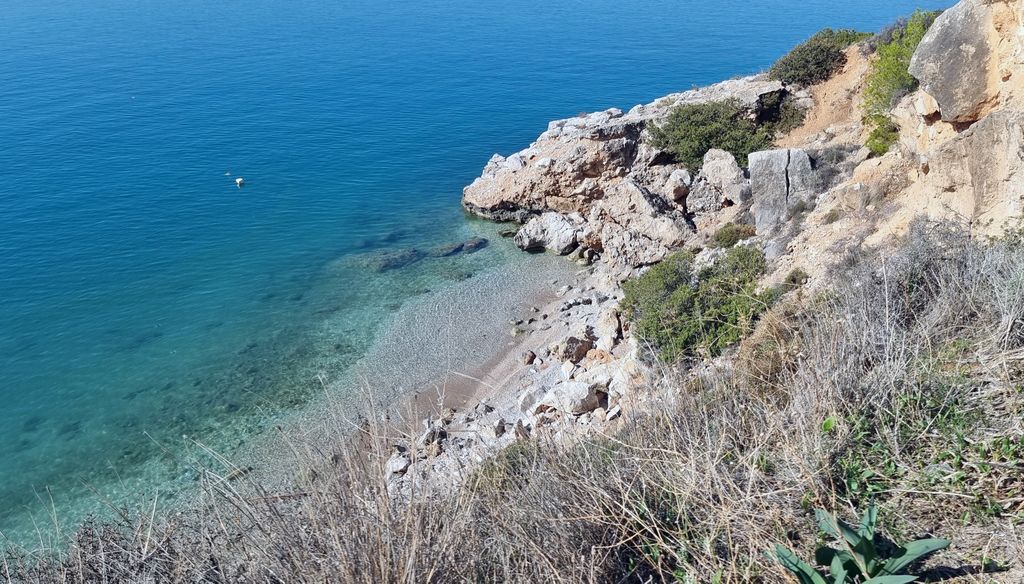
[144, 297]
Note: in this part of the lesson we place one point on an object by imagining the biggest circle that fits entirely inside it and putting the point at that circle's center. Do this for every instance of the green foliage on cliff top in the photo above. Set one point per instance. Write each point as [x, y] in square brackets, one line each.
[817, 59]
[890, 79]
[687, 315]
[693, 129]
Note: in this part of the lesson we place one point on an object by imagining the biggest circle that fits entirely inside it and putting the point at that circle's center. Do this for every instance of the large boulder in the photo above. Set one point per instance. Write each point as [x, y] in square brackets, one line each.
[575, 347]
[572, 397]
[955, 61]
[980, 173]
[721, 182]
[780, 180]
[634, 226]
[551, 231]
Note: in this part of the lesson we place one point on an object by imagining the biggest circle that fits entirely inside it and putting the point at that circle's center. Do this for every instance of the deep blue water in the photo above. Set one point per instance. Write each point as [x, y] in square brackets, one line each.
[144, 297]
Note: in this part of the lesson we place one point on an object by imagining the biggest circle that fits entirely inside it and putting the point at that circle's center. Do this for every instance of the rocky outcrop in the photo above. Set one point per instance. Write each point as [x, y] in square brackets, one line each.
[780, 180]
[980, 173]
[635, 203]
[955, 64]
[963, 129]
[721, 183]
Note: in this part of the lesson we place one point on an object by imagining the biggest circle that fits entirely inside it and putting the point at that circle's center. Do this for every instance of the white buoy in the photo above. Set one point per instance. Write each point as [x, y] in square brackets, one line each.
[239, 182]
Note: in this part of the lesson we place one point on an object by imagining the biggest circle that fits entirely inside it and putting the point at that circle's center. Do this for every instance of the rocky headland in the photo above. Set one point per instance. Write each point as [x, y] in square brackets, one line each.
[595, 189]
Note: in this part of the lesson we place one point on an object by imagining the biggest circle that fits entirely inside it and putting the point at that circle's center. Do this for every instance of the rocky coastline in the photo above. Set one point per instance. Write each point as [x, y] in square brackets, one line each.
[593, 188]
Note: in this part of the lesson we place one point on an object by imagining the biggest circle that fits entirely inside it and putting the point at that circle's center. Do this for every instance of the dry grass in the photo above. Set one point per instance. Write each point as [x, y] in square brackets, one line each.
[916, 359]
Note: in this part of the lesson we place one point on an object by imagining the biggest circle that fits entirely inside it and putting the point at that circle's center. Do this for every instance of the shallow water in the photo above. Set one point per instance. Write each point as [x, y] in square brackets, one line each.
[144, 297]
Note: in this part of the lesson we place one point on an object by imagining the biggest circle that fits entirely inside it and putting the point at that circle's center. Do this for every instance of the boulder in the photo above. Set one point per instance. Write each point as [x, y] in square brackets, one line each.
[779, 181]
[678, 184]
[721, 182]
[551, 231]
[635, 226]
[955, 62]
[979, 172]
[398, 464]
[608, 324]
[575, 347]
[572, 397]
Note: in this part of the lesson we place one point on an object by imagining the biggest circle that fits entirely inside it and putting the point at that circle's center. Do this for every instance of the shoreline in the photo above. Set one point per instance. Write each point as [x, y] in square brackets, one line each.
[473, 356]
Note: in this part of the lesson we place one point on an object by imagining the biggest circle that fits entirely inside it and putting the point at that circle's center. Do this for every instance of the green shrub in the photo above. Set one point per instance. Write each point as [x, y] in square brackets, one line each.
[731, 233]
[890, 79]
[817, 59]
[883, 135]
[693, 129]
[684, 315]
[858, 559]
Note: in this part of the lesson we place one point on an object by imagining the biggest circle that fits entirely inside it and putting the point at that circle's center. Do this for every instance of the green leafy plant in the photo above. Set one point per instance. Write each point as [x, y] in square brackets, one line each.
[857, 560]
[693, 129]
[816, 59]
[890, 78]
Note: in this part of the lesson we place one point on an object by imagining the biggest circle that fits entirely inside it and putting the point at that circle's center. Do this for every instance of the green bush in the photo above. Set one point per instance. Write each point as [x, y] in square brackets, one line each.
[693, 129]
[883, 135]
[687, 315]
[890, 79]
[731, 233]
[817, 59]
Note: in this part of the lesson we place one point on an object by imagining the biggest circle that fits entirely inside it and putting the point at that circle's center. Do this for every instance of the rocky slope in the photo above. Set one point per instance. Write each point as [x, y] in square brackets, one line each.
[593, 188]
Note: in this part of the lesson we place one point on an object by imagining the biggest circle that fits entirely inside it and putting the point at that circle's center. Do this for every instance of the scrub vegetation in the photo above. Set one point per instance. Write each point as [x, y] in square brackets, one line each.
[817, 59]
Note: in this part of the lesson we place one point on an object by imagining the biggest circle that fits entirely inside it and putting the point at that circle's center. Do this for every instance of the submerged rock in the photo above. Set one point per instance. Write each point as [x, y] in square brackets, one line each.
[386, 260]
[469, 246]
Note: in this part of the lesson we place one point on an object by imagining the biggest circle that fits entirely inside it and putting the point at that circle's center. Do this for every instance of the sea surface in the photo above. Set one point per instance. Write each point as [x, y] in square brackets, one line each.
[147, 302]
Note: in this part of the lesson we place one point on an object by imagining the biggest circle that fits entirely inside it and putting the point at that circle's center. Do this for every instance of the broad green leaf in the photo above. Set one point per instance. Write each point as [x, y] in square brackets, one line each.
[867, 523]
[891, 580]
[864, 552]
[827, 522]
[912, 552]
[851, 535]
[837, 570]
[801, 569]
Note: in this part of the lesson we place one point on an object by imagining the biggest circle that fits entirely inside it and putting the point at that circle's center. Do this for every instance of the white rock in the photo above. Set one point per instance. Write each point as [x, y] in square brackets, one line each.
[571, 397]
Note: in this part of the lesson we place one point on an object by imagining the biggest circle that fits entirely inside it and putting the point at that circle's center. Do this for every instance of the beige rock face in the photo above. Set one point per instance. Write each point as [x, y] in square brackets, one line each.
[963, 129]
[957, 63]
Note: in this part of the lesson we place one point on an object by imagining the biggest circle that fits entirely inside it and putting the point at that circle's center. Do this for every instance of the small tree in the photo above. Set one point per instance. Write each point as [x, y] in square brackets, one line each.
[890, 78]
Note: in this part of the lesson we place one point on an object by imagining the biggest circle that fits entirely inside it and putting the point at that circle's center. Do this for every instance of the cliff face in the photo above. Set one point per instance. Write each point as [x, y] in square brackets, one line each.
[963, 132]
